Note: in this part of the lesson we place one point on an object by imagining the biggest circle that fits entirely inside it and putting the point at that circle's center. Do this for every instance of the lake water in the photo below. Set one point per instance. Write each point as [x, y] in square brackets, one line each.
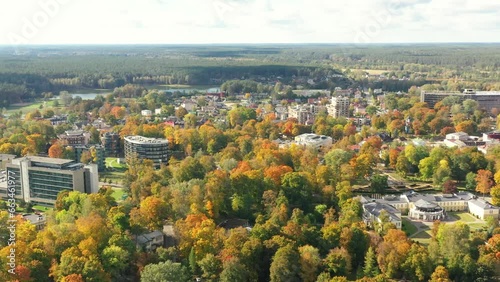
[91, 96]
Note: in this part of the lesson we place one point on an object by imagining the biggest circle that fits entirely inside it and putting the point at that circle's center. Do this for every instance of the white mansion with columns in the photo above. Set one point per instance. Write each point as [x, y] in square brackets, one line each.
[429, 207]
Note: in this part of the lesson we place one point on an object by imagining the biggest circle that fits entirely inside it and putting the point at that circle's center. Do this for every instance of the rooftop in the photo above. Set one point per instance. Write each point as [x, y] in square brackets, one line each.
[46, 160]
[145, 140]
[483, 204]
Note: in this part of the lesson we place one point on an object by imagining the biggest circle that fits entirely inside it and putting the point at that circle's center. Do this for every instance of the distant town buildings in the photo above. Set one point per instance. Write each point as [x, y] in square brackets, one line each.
[140, 147]
[487, 100]
[39, 179]
[462, 139]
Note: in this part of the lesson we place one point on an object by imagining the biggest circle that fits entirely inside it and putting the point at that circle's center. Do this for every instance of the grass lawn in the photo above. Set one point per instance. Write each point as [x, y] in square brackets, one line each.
[118, 194]
[408, 227]
[28, 107]
[42, 208]
[116, 177]
[423, 237]
[476, 226]
[463, 216]
[113, 162]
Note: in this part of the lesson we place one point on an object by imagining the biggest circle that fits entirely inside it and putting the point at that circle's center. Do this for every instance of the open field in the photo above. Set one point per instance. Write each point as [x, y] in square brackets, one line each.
[28, 107]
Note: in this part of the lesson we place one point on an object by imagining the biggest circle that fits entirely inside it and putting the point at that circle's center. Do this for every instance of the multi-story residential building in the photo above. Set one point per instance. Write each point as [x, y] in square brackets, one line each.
[112, 144]
[305, 114]
[39, 179]
[75, 137]
[140, 147]
[487, 100]
[339, 107]
[301, 114]
[100, 158]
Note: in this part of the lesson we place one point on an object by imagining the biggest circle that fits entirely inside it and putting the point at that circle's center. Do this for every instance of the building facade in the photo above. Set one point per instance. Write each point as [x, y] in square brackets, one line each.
[39, 179]
[112, 144]
[339, 107]
[140, 147]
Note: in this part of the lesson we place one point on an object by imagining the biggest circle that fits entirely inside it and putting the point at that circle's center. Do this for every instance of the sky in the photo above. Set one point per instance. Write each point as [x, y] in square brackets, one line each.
[247, 21]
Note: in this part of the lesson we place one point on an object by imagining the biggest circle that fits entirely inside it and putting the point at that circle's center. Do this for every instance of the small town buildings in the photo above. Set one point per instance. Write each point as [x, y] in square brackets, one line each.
[462, 139]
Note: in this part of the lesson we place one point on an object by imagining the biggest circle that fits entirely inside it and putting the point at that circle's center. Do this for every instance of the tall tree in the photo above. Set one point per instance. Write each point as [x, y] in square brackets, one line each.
[484, 180]
[285, 265]
[165, 271]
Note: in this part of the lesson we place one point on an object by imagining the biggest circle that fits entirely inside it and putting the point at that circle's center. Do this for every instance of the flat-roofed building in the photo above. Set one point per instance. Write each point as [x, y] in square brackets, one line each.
[39, 179]
[140, 147]
[314, 140]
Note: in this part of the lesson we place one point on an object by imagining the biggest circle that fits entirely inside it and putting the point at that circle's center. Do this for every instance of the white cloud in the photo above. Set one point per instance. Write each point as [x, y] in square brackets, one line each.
[252, 21]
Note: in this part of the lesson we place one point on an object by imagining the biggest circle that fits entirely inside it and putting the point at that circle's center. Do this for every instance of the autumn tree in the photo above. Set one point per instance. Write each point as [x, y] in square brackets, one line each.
[392, 253]
[286, 265]
[56, 150]
[379, 184]
[484, 180]
[440, 274]
[310, 262]
[165, 271]
[449, 187]
[370, 268]
[495, 195]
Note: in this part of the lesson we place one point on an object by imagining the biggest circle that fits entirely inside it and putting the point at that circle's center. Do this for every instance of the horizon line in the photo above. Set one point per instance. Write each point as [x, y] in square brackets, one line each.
[244, 43]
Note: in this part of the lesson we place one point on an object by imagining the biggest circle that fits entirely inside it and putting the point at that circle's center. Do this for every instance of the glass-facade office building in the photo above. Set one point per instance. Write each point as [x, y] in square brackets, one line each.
[39, 180]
